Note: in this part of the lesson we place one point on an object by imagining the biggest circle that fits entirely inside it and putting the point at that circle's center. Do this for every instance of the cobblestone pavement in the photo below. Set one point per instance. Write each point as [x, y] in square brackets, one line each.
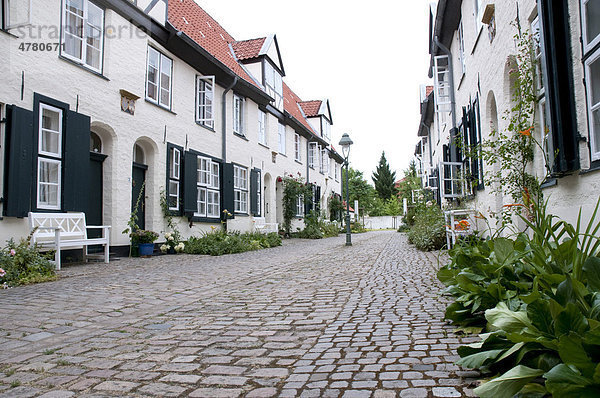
[309, 319]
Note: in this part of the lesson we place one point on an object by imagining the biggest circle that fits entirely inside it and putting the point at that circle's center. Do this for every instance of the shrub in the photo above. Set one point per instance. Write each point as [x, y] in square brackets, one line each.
[330, 229]
[428, 231]
[311, 227]
[219, 242]
[23, 264]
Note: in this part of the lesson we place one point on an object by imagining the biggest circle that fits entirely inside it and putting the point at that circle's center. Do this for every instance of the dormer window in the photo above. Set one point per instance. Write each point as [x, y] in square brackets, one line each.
[274, 84]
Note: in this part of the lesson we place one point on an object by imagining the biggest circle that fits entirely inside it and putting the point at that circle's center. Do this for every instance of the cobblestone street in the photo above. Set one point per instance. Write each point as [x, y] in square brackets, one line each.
[309, 319]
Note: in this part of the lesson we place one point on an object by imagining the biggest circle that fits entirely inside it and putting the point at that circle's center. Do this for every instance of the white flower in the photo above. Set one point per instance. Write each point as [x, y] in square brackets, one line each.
[164, 248]
[171, 238]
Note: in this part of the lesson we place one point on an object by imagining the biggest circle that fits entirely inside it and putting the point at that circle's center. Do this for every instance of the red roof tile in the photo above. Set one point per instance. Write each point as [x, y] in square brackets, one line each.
[290, 103]
[191, 19]
[428, 90]
[311, 108]
[248, 49]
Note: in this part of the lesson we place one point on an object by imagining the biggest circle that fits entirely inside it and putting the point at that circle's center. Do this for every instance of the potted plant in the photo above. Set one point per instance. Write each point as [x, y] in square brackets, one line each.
[145, 240]
[173, 244]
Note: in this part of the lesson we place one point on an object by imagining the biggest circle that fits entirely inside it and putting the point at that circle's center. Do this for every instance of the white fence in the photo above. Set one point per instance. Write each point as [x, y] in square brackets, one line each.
[383, 222]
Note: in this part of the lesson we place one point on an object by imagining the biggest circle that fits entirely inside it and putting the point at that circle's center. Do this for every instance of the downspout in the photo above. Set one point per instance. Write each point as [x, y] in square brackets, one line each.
[224, 120]
[446, 51]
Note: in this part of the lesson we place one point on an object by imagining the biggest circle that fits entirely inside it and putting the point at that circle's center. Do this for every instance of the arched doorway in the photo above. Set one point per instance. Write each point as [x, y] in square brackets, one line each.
[138, 184]
[94, 213]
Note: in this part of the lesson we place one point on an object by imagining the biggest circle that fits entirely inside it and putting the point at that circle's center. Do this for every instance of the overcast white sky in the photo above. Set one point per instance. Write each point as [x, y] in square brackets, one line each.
[368, 58]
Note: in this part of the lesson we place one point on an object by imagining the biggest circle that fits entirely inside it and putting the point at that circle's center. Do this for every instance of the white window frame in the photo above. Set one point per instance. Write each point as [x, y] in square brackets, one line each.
[162, 58]
[326, 129]
[208, 183]
[274, 84]
[322, 158]
[205, 100]
[300, 206]
[312, 154]
[262, 127]
[477, 12]
[240, 189]
[594, 135]
[46, 205]
[461, 47]
[297, 148]
[58, 153]
[457, 183]
[337, 171]
[441, 74]
[174, 176]
[84, 42]
[238, 114]
[587, 45]
[281, 138]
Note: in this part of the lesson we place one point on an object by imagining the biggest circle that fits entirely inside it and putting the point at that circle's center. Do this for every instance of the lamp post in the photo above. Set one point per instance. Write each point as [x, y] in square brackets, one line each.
[345, 143]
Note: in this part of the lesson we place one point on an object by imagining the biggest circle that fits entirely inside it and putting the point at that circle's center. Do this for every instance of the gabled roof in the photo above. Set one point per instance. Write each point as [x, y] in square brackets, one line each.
[248, 49]
[311, 108]
[191, 19]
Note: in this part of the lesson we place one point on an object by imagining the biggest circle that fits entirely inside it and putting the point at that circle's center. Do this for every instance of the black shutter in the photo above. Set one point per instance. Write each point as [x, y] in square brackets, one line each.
[189, 181]
[76, 162]
[254, 188]
[454, 145]
[560, 92]
[19, 184]
[228, 197]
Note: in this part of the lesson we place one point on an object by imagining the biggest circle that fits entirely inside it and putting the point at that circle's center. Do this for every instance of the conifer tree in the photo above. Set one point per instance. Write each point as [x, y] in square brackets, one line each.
[384, 179]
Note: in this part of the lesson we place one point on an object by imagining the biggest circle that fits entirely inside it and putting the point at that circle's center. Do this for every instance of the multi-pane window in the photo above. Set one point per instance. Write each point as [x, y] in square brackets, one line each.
[209, 184]
[281, 137]
[159, 78]
[205, 86]
[274, 84]
[312, 154]
[324, 161]
[326, 129]
[262, 127]
[300, 206]
[337, 171]
[83, 33]
[297, 150]
[50, 157]
[174, 177]
[238, 115]
[240, 189]
[590, 10]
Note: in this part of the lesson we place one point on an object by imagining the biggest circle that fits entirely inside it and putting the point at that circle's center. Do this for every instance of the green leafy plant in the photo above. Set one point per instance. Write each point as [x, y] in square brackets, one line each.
[132, 223]
[538, 296]
[172, 236]
[311, 229]
[220, 242]
[21, 264]
[143, 236]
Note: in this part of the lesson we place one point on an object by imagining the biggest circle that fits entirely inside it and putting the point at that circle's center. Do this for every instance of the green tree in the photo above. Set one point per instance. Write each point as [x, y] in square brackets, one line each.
[409, 183]
[360, 189]
[384, 179]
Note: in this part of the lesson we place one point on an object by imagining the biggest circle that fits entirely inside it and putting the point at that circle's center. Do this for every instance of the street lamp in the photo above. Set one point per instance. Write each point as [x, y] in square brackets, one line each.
[345, 143]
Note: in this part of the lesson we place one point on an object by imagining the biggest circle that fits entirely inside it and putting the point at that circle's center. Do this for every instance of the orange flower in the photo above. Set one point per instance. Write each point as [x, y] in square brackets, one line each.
[514, 205]
[480, 216]
[527, 132]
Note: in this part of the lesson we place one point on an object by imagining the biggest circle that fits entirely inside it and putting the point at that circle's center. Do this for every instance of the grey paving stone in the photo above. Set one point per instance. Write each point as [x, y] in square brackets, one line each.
[216, 393]
[445, 392]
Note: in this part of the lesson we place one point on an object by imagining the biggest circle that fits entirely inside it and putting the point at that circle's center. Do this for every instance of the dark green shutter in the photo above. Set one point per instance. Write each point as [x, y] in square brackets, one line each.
[190, 180]
[254, 188]
[76, 162]
[318, 200]
[309, 202]
[20, 184]
[560, 91]
[227, 184]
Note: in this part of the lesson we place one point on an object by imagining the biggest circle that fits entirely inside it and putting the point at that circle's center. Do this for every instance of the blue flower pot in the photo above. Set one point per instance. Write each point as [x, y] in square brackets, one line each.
[146, 249]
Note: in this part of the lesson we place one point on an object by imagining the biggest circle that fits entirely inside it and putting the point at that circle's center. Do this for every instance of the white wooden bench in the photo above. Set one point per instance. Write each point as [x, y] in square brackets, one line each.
[57, 231]
[261, 225]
